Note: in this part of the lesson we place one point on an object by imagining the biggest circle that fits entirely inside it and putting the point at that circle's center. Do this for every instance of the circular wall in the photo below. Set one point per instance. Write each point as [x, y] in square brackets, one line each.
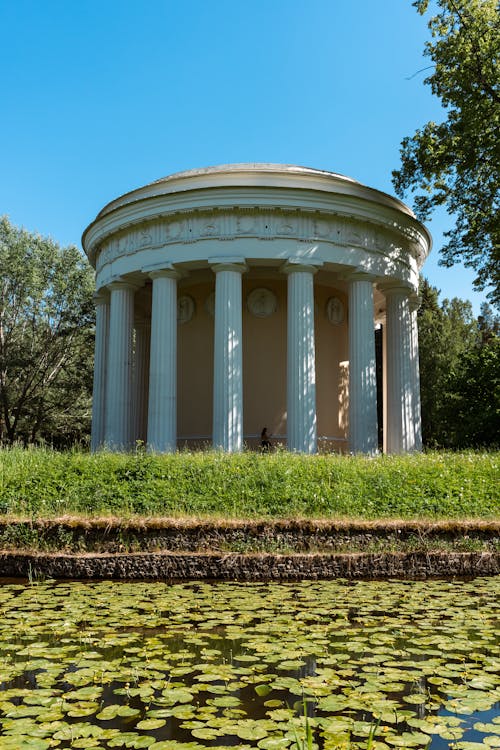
[307, 262]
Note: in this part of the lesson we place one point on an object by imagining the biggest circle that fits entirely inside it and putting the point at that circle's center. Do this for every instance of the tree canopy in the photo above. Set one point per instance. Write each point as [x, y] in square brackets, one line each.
[459, 372]
[455, 163]
[46, 339]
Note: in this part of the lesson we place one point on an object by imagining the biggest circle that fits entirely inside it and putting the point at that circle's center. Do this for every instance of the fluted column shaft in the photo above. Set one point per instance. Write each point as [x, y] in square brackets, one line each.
[162, 411]
[400, 409]
[228, 358]
[101, 301]
[363, 436]
[141, 379]
[415, 369]
[118, 434]
[301, 365]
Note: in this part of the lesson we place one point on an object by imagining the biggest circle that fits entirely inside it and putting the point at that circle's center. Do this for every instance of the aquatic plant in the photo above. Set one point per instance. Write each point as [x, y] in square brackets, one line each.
[333, 664]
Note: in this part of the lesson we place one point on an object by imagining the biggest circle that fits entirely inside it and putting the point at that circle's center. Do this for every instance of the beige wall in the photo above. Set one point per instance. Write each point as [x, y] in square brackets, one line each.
[264, 365]
[195, 355]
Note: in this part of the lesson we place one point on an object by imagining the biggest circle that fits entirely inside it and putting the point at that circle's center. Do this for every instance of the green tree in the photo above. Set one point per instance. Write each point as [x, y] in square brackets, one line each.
[446, 332]
[46, 338]
[459, 372]
[455, 162]
[478, 396]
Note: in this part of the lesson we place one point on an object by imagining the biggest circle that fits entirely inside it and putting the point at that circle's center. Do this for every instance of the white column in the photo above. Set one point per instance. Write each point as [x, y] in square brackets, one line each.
[141, 378]
[301, 366]
[415, 370]
[118, 434]
[228, 356]
[363, 437]
[400, 414]
[101, 301]
[162, 411]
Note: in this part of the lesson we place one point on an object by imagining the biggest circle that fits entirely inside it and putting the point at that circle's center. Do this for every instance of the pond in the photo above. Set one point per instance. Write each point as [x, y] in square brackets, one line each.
[186, 666]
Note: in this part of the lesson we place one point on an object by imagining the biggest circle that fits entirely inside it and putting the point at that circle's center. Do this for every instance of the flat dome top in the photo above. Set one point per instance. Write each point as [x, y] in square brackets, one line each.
[251, 174]
[253, 167]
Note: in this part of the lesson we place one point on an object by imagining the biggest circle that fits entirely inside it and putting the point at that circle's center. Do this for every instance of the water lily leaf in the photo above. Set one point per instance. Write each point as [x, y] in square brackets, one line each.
[109, 712]
[333, 703]
[273, 743]
[131, 740]
[128, 712]
[206, 733]
[409, 739]
[91, 693]
[280, 714]
[291, 664]
[78, 712]
[77, 730]
[489, 728]
[175, 745]
[25, 743]
[451, 733]
[171, 696]
[415, 698]
[225, 701]
[262, 690]
[251, 732]
[151, 724]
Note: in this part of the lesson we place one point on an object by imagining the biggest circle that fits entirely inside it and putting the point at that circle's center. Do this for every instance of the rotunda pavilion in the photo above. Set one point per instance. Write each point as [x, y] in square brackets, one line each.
[247, 295]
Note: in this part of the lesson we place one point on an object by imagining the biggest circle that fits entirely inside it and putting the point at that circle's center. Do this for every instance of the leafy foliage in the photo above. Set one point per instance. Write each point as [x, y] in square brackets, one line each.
[46, 338]
[455, 162]
[459, 373]
[478, 395]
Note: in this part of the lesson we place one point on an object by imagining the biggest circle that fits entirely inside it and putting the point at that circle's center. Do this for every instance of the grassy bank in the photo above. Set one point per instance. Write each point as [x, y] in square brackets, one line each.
[44, 483]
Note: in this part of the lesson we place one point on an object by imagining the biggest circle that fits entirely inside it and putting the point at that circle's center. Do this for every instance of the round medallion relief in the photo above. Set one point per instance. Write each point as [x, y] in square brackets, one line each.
[262, 303]
[185, 309]
[335, 311]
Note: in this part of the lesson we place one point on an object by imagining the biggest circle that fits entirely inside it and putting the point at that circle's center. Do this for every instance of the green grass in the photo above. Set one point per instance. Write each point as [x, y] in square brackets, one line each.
[45, 483]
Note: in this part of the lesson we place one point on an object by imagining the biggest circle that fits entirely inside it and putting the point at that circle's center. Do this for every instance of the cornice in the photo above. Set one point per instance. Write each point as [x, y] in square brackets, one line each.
[309, 190]
[384, 232]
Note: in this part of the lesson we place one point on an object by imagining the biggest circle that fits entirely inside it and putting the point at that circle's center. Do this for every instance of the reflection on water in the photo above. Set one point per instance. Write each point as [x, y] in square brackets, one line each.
[186, 666]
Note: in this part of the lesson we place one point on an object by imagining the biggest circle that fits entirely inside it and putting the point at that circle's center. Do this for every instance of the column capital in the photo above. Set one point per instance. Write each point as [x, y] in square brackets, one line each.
[101, 297]
[394, 288]
[159, 270]
[415, 302]
[359, 276]
[228, 263]
[121, 283]
[301, 265]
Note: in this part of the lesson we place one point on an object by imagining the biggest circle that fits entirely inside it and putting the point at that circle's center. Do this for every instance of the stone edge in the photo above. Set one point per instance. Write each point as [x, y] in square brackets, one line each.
[249, 567]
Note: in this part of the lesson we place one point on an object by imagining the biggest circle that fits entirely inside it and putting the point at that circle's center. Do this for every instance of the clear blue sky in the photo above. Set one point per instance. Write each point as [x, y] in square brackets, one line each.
[101, 96]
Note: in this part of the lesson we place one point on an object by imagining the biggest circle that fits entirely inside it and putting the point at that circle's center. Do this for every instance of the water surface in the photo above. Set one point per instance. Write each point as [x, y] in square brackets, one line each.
[195, 665]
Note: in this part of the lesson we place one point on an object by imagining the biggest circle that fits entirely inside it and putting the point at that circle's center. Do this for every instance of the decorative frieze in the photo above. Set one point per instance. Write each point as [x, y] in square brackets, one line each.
[259, 223]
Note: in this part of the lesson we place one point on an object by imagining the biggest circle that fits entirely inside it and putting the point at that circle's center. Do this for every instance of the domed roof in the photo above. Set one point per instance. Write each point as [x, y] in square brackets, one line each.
[252, 167]
[254, 175]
